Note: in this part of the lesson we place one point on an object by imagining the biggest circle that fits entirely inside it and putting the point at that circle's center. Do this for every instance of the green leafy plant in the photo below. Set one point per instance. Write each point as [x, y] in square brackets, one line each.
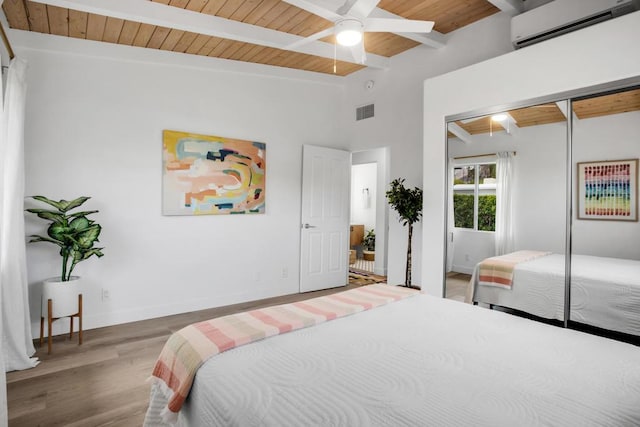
[463, 211]
[487, 212]
[369, 241]
[408, 203]
[74, 233]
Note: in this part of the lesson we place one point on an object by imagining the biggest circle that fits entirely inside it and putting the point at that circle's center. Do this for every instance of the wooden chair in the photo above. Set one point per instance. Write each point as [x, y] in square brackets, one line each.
[51, 319]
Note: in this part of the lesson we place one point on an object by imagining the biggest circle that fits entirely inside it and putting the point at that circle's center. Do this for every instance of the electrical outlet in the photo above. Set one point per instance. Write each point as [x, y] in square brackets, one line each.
[256, 276]
[467, 258]
[285, 272]
[105, 294]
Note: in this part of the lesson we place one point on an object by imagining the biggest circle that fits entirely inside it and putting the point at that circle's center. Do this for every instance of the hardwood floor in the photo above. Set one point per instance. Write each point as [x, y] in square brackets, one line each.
[102, 382]
[457, 285]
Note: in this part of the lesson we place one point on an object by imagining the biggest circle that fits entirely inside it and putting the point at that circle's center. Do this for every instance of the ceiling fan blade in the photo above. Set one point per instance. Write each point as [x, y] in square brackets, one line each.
[358, 53]
[385, 25]
[312, 7]
[361, 8]
[346, 7]
[311, 38]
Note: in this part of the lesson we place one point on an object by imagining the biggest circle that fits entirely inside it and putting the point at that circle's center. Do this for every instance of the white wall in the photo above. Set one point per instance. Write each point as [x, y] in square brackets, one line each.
[596, 55]
[613, 137]
[470, 247]
[364, 195]
[94, 127]
[398, 98]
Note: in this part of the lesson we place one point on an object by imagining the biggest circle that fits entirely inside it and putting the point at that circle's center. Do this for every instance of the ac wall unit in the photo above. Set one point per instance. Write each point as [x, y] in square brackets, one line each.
[563, 16]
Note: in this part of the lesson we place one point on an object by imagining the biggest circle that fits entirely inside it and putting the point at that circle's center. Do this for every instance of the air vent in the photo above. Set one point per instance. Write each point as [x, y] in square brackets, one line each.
[364, 112]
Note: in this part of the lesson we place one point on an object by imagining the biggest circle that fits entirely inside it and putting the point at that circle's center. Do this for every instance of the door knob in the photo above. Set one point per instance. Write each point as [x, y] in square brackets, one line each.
[308, 226]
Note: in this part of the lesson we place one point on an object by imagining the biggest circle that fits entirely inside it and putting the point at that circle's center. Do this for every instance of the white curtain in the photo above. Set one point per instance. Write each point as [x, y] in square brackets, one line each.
[450, 218]
[504, 203]
[17, 342]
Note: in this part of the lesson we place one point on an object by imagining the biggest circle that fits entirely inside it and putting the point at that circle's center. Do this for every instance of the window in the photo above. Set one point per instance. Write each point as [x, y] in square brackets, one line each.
[474, 196]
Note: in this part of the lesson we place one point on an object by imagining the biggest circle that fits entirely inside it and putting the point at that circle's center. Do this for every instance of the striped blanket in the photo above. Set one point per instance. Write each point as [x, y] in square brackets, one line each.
[187, 349]
[498, 270]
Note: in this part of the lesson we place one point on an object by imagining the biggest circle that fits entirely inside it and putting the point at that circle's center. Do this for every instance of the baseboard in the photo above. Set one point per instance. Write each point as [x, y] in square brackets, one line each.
[100, 320]
[380, 271]
[462, 269]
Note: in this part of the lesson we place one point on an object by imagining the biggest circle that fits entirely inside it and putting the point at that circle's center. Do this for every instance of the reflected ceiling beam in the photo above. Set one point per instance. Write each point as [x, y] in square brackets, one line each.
[464, 136]
[152, 13]
[562, 106]
[510, 125]
[512, 7]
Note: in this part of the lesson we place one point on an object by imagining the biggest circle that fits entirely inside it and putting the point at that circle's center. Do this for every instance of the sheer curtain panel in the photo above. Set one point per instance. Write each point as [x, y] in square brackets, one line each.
[17, 343]
[504, 203]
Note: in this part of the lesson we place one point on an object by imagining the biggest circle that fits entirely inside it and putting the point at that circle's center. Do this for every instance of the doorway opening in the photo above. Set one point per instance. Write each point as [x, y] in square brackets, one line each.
[369, 222]
[363, 217]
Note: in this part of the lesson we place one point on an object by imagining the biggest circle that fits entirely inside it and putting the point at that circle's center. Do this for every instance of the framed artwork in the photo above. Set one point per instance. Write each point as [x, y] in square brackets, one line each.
[212, 175]
[608, 190]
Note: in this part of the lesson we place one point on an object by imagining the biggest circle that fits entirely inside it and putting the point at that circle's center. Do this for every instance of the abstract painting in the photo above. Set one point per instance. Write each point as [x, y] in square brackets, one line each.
[608, 190]
[212, 175]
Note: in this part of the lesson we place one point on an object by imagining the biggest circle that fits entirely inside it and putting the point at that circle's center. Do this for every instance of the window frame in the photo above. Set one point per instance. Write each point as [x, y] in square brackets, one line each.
[476, 189]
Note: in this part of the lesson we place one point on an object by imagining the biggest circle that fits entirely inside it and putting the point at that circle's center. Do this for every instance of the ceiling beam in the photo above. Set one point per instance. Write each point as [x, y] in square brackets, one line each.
[458, 131]
[312, 7]
[512, 7]
[152, 13]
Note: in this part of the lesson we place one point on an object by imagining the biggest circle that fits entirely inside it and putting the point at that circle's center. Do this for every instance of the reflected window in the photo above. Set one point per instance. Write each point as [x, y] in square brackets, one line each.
[474, 196]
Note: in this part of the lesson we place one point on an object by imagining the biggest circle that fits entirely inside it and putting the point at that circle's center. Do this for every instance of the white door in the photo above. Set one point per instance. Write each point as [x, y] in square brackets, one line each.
[324, 258]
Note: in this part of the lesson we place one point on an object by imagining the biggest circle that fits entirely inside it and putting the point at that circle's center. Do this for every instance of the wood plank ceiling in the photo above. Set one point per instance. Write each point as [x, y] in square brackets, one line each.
[616, 103]
[448, 15]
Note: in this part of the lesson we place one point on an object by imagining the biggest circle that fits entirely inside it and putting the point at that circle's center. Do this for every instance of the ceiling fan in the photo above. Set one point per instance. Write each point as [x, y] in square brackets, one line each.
[351, 20]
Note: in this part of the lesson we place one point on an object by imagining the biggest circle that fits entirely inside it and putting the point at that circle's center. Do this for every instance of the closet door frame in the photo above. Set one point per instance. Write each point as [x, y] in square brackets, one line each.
[567, 96]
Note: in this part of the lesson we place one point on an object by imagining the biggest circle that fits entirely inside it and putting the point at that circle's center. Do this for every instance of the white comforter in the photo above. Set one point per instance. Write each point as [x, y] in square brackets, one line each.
[605, 292]
[420, 361]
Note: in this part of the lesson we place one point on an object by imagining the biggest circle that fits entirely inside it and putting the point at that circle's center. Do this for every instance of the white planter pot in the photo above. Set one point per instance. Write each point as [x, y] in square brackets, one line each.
[64, 296]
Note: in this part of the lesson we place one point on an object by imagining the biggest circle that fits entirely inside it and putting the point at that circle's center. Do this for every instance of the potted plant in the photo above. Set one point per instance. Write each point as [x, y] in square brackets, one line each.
[408, 203]
[75, 234]
[369, 245]
[369, 241]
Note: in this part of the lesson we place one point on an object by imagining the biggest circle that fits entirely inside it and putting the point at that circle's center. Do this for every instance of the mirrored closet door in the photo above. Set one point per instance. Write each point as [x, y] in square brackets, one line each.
[605, 258]
[507, 195]
[542, 211]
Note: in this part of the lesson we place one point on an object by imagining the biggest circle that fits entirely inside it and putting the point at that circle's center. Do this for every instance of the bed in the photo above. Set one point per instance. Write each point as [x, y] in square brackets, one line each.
[421, 360]
[605, 292]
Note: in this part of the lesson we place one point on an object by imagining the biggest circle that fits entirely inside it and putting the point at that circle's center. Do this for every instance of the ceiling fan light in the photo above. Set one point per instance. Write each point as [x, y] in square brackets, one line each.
[348, 32]
[500, 117]
[349, 37]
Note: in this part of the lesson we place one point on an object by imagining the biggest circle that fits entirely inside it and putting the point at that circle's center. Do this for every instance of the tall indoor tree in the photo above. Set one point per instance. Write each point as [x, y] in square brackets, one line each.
[408, 203]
